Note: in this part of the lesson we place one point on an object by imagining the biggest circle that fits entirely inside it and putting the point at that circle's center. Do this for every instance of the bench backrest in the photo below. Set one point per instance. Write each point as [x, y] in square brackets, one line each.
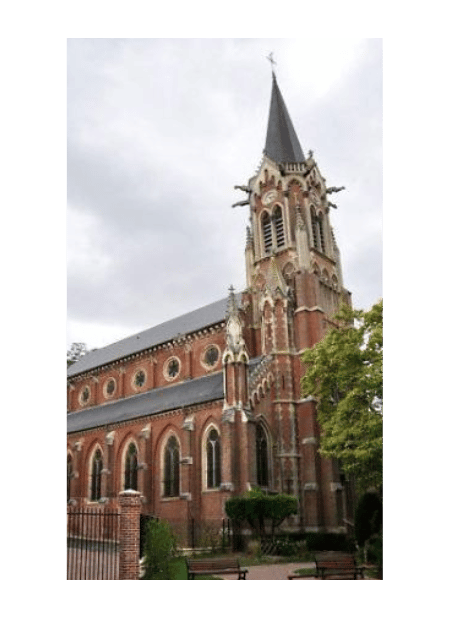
[208, 565]
[331, 560]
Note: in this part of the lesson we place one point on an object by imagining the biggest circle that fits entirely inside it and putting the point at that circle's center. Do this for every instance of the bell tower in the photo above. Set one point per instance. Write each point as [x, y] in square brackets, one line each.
[290, 231]
[294, 287]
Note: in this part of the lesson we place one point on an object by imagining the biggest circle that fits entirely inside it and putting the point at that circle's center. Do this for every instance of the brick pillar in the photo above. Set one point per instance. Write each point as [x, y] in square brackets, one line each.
[129, 534]
[95, 389]
[121, 391]
[227, 447]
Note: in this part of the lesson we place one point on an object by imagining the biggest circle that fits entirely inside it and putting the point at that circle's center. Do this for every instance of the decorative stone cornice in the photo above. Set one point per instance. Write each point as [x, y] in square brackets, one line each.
[308, 400]
[304, 308]
[179, 340]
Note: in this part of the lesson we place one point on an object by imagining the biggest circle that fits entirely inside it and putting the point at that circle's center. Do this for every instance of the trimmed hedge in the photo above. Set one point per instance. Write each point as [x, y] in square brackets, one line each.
[256, 508]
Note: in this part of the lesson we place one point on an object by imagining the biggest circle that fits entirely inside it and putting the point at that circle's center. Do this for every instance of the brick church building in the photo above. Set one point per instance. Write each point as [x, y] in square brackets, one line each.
[209, 404]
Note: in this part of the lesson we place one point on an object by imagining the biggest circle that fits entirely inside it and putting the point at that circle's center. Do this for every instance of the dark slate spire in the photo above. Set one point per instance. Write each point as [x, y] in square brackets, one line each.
[282, 145]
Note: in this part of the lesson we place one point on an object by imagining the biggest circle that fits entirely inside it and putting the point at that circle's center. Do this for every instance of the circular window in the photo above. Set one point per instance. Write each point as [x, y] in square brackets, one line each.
[109, 387]
[211, 356]
[139, 378]
[84, 395]
[172, 368]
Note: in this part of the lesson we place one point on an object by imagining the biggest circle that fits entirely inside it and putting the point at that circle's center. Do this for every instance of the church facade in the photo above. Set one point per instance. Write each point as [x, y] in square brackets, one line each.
[208, 405]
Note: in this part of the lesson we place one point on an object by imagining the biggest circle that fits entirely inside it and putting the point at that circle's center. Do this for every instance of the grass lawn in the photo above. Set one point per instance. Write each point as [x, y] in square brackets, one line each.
[311, 571]
[179, 571]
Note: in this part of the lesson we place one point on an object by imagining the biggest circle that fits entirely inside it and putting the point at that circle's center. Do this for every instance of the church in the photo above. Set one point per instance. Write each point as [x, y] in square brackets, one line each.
[208, 405]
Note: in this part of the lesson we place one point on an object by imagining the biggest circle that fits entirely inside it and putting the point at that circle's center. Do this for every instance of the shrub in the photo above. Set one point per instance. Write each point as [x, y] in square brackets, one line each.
[257, 508]
[159, 550]
[369, 529]
[368, 517]
[288, 547]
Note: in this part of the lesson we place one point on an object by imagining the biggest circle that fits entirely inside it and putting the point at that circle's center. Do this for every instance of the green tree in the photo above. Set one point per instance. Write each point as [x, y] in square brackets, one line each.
[345, 375]
[75, 352]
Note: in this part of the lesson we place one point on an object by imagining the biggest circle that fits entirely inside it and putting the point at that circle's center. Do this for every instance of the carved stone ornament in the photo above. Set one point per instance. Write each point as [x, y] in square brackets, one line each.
[269, 197]
[228, 415]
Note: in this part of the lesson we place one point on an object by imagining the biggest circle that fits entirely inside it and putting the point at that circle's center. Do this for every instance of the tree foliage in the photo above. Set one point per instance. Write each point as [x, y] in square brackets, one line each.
[345, 375]
[159, 550]
[368, 517]
[75, 352]
[258, 510]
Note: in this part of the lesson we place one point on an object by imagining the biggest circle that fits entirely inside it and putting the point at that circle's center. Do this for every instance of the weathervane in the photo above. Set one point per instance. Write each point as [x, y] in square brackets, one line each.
[271, 60]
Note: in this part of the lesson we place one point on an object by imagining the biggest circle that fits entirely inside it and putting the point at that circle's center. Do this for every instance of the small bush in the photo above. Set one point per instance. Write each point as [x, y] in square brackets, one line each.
[288, 547]
[368, 517]
[159, 550]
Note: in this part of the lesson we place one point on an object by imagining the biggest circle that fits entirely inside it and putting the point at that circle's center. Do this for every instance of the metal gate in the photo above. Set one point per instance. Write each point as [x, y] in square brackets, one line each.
[92, 543]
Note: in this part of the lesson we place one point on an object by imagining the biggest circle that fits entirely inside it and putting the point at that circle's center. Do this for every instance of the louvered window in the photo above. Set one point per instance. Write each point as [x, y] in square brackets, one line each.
[279, 228]
[267, 232]
[321, 233]
[314, 228]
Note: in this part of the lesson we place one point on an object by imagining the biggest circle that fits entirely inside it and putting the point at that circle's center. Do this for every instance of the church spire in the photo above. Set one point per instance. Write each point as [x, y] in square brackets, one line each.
[282, 145]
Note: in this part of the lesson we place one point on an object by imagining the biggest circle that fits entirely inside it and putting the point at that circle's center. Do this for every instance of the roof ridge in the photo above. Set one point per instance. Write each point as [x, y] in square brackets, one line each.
[189, 322]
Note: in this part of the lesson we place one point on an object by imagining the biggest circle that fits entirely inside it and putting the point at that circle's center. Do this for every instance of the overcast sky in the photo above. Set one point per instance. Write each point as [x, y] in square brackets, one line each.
[160, 131]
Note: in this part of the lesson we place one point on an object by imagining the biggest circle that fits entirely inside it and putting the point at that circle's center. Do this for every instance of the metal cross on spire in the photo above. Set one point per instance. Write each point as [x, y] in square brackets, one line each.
[272, 61]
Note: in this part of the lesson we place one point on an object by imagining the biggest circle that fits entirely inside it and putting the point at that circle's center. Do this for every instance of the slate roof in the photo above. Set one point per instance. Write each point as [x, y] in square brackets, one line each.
[163, 399]
[187, 323]
[282, 144]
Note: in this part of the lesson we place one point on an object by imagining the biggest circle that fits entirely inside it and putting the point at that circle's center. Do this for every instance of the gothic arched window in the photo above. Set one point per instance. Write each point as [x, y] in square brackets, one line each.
[96, 475]
[279, 228]
[130, 480]
[262, 457]
[266, 226]
[69, 474]
[172, 468]
[213, 475]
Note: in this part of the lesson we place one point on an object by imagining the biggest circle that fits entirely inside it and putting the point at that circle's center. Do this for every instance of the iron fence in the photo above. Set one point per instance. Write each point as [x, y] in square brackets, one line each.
[92, 543]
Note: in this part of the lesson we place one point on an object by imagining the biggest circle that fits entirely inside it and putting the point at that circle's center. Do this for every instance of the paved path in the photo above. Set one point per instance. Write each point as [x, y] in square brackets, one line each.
[273, 571]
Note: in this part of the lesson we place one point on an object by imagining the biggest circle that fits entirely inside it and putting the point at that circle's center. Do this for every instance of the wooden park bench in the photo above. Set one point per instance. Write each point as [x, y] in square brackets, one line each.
[337, 565]
[215, 566]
